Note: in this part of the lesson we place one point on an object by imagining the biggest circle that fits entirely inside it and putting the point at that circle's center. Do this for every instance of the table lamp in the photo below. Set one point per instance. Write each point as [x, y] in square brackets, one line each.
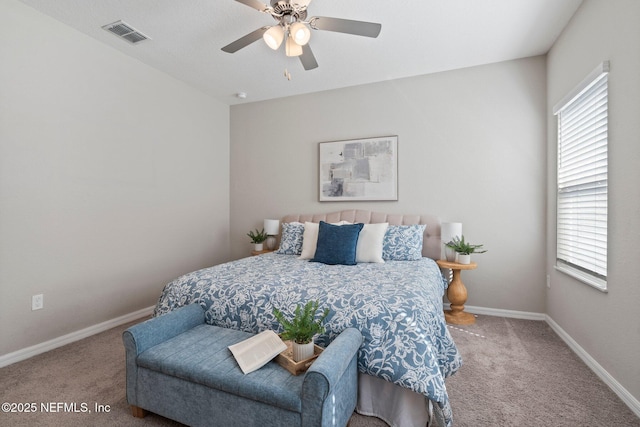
[271, 229]
[449, 230]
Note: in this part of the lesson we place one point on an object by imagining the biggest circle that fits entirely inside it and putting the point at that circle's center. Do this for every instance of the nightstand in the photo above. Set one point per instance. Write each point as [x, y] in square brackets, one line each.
[457, 294]
[264, 251]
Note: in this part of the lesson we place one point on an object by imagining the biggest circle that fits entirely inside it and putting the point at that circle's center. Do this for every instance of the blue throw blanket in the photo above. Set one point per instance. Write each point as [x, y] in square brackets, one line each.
[397, 306]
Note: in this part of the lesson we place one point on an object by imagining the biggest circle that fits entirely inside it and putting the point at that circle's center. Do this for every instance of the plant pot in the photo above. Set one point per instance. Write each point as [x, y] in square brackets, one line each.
[258, 247]
[464, 259]
[302, 351]
[449, 254]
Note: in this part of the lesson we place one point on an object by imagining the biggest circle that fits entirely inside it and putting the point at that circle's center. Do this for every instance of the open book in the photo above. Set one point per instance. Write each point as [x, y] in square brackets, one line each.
[253, 353]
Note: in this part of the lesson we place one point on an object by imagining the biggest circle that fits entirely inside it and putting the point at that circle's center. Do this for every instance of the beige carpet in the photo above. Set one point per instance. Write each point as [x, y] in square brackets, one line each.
[516, 373]
[520, 373]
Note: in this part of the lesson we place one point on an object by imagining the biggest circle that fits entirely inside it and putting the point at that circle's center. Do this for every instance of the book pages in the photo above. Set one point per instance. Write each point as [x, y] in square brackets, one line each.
[253, 353]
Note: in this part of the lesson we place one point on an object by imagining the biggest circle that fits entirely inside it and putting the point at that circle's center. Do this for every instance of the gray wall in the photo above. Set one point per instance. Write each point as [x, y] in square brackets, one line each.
[114, 179]
[472, 148]
[605, 325]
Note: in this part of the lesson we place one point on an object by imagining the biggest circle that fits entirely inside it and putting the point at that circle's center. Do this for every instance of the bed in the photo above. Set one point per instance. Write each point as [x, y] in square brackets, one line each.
[387, 285]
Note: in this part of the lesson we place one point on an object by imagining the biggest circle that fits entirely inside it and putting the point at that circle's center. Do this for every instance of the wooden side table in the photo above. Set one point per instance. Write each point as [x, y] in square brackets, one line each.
[457, 294]
[264, 251]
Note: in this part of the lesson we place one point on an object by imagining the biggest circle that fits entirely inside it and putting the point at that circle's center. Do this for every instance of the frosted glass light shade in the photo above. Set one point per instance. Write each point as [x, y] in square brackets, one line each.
[273, 37]
[300, 33]
[292, 48]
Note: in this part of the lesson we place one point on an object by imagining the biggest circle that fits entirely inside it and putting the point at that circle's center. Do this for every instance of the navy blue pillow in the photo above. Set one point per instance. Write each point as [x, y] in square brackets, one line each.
[337, 243]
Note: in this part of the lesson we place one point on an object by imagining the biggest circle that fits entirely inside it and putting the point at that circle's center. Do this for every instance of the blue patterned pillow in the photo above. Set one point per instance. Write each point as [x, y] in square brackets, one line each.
[291, 239]
[337, 244]
[403, 242]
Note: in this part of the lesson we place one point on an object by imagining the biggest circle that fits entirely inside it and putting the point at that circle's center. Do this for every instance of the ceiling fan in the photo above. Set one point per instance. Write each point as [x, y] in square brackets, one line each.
[293, 29]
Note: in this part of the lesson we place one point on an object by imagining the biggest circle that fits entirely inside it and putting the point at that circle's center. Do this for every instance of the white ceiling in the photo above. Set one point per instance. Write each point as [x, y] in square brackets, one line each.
[418, 37]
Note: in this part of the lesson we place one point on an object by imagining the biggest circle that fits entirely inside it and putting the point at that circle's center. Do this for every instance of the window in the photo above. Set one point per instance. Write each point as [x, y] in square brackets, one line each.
[581, 217]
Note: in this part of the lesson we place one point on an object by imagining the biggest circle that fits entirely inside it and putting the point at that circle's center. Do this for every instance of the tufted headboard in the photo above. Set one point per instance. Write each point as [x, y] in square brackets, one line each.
[431, 246]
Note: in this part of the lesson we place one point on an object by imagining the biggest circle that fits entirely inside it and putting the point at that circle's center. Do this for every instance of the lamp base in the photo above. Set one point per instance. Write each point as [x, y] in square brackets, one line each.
[271, 243]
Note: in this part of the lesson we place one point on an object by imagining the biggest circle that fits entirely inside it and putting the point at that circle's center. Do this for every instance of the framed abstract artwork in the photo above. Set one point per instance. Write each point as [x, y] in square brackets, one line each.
[358, 169]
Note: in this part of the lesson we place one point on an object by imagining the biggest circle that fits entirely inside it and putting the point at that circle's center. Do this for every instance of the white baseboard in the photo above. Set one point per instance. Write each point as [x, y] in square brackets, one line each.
[25, 353]
[611, 382]
[527, 315]
[502, 313]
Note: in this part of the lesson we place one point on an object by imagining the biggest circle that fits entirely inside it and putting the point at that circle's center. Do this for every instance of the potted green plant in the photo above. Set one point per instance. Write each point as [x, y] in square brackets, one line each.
[464, 249]
[257, 238]
[302, 328]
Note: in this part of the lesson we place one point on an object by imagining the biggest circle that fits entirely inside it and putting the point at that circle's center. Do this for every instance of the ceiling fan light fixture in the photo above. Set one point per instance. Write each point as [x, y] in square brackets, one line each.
[292, 48]
[300, 33]
[273, 37]
[292, 24]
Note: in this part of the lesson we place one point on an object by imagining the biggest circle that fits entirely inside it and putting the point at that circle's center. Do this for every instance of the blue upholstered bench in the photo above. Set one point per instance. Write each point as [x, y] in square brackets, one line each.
[181, 368]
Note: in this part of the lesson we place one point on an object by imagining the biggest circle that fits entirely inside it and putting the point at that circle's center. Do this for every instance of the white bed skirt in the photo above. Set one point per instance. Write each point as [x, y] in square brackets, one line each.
[397, 406]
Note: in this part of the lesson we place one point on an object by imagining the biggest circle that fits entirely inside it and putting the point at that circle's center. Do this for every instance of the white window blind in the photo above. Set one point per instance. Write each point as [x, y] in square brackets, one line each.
[582, 179]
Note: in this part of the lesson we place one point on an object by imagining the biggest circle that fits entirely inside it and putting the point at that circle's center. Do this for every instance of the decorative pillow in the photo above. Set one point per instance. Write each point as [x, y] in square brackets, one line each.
[310, 238]
[337, 243]
[403, 242]
[369, 247]
[291, 238]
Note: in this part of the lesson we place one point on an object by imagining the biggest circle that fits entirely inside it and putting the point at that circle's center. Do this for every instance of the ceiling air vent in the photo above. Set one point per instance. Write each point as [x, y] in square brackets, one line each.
[125, 31]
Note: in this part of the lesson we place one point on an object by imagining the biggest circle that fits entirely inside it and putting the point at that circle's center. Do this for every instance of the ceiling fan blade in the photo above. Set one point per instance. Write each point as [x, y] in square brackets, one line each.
[257, 5]
[245, 41]
[358, 28]
[307, 58]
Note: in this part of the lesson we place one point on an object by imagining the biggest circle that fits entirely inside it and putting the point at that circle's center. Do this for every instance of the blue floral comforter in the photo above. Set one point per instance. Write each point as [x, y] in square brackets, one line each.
[397, 305]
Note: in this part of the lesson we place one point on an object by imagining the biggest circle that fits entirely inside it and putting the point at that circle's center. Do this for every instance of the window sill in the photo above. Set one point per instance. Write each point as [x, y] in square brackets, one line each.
[594, 282]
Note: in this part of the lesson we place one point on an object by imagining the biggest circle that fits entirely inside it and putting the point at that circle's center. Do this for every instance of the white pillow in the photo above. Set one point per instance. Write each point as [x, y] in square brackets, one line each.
[369, 247]
[310, 238]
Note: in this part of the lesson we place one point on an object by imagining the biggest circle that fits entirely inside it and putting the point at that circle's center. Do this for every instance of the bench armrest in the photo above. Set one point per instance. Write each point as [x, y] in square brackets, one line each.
[145, 335]
[331, 381]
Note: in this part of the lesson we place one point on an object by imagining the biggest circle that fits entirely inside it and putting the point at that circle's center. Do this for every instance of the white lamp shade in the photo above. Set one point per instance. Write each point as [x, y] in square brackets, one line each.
[271, 227]
[273, 37]
[300, 33]
[292, 48]
[449, 230]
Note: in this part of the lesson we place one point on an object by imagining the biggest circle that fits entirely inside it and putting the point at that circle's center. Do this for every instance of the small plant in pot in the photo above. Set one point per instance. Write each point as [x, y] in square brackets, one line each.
[257, 238]
[302, 328]
[464, 249]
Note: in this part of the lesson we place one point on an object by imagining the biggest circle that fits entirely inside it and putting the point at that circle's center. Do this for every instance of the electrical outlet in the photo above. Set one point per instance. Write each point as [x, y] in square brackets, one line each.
[548, 281]
[37, 302]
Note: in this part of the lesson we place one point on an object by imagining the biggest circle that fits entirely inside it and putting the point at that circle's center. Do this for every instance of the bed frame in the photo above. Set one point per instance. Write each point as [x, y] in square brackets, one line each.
[396, 405]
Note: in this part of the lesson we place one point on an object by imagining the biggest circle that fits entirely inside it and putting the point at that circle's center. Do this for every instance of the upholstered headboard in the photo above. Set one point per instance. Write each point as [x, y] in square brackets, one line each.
[431, 246]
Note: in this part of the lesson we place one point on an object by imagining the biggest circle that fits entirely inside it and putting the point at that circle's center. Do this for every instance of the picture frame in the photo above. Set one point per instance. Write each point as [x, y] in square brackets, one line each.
[358, 169]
